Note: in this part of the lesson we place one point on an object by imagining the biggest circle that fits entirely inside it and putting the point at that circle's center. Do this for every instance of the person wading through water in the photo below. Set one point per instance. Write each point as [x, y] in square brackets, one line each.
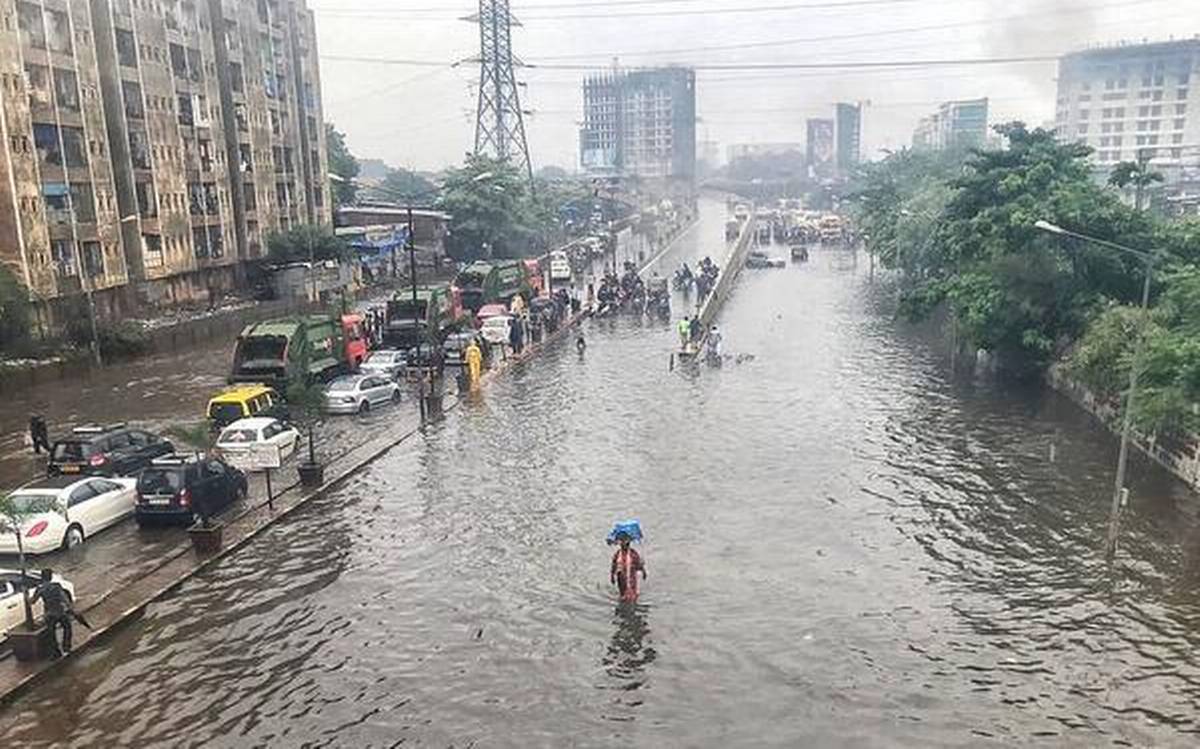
[626, 563]
[60, 611]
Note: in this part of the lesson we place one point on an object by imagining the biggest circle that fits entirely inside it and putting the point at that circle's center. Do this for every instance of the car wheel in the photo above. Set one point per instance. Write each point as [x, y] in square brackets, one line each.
[364, 407]
[73, 538]
[395, 396]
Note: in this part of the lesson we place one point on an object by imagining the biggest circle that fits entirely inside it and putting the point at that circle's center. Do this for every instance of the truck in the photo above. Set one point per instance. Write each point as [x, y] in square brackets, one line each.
[832, 229]
[436, 310]
[275, 352]
[492, 282]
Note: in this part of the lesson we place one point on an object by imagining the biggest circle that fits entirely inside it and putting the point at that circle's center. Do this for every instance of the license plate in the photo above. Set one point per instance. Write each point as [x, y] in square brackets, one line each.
[158, 500]
[69, 469]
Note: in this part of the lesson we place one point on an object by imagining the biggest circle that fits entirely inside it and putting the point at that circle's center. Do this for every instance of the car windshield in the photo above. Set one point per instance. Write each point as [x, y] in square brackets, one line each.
[225, 412]
[33, 501]
[160, 481]
[72, 450]
[343, 385]
[234, 436]
[381, 357]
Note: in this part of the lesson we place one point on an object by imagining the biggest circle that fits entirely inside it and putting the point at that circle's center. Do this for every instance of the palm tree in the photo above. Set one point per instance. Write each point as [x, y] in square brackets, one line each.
[1136, 173]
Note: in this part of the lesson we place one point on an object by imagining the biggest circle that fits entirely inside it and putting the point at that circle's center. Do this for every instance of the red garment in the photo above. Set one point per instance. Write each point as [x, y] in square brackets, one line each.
[626, 563]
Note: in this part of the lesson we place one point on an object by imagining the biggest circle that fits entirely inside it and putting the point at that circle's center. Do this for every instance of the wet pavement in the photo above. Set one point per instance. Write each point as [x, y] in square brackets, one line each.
[847, 545]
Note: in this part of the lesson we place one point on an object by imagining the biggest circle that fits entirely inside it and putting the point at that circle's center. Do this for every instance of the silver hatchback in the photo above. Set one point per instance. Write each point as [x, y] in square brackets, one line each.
[359, 393]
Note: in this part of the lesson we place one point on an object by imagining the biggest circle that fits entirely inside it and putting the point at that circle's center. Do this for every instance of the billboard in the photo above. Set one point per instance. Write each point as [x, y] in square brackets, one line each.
[849, 136]
[820, 147]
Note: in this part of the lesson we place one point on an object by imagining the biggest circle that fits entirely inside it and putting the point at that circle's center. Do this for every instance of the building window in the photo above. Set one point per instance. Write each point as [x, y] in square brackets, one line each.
[83, 202]
[29, 21]
[66, 89]
[200, 241]
[1084, 128]
[1181, 93]
[152, 250]
[1181, 109]
[245, 158]
[37, 79]
[235, 77]
[195, 64]
[178, 61]
[147, 205]
[1083, 114]
[139, 148]
[131, 92]
[126, 48]
[63, 256]
[58, 32]
[239, 115]
[184, 103]
[93, 259]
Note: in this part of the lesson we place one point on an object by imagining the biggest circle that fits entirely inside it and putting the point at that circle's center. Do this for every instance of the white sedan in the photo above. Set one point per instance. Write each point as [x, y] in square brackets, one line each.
[61, 511]
[242, 439]
[12, 601]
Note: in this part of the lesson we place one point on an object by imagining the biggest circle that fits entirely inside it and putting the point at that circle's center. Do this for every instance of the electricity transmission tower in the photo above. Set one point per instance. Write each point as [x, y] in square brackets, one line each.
[499, 122]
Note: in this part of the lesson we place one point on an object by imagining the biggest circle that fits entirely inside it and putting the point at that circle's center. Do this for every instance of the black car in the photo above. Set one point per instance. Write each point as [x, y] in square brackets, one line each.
[177, 488]
[113, 450]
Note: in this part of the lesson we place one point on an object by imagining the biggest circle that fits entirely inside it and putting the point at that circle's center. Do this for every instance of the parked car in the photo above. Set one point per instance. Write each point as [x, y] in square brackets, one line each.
[386, 362]
[68, 510]
[12, 599]
[238, 440]
[496, 329]
[112, 450]
[242, 402]
[357, 393]
[762, 260]
[173, 489]
[454, 348]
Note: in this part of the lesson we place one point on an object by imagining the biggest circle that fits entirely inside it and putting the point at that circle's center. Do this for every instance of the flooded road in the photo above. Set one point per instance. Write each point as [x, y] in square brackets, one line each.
[846, 546]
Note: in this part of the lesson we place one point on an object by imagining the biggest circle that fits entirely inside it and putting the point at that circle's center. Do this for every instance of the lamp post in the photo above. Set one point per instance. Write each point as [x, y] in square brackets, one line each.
[1148, 259]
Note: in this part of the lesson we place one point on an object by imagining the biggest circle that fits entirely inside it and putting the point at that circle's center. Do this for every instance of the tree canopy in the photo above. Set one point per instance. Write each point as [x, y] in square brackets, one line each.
[300, 243]
[343, 164]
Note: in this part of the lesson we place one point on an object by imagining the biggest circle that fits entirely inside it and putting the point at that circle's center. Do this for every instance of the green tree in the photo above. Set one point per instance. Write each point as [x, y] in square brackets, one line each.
[342, 164]
[489, 203]
[300, 243]
[1135, 174]
[1014, 290]
[407, 186]
[15, 315]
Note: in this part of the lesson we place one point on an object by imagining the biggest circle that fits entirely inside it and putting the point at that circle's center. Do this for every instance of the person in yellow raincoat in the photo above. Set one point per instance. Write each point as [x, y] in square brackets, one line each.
[474, 362]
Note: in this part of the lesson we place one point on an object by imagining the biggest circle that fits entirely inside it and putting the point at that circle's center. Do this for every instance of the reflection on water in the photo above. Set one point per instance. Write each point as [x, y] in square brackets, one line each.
[850, 547]
[626, 660]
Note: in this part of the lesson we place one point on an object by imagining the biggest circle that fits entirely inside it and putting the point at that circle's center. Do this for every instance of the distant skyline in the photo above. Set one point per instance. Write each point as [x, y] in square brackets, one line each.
[422, 116]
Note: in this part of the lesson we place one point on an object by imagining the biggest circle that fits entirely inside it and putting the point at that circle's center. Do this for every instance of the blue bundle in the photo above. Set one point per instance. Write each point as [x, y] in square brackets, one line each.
[631, 528]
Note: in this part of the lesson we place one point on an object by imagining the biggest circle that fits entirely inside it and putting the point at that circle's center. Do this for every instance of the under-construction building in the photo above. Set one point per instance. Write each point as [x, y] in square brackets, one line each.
[149, 146]
[640, 123]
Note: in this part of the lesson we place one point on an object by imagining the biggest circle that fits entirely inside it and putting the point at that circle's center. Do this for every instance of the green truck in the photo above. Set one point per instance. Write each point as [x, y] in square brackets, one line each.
[275, 352]
[491, 282]
[409, 324]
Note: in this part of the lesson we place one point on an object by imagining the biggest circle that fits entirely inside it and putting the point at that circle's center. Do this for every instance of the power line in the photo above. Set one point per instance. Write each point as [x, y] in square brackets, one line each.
[669, 13]
[855, 35]
[608, 4]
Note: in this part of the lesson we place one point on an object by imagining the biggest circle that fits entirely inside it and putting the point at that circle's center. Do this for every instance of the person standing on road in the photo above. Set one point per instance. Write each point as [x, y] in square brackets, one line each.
[685, 331]
[695, 328]
[626, 563]
[39, 434]
[474, 359]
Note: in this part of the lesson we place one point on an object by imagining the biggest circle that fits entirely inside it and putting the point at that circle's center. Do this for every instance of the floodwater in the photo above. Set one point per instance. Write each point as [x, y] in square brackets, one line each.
[847, 545]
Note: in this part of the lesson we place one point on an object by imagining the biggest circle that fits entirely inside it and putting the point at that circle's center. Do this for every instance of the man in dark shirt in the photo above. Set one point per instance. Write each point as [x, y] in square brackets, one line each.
[39, 434]
[58, 607]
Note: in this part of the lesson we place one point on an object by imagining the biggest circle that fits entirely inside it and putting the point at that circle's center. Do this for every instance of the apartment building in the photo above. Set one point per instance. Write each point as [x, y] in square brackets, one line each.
[151, 145]
[58, 205]
[1131, 100]
[640, 123]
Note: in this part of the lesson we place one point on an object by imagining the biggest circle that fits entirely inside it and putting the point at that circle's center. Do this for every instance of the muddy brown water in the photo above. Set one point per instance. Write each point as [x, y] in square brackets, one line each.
[847, 546]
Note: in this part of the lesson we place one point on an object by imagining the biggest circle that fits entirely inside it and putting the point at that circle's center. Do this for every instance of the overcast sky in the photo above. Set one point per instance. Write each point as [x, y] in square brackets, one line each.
[423, 116]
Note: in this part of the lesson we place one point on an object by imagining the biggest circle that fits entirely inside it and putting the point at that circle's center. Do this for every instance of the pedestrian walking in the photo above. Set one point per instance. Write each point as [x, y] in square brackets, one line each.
[685, 331]
[474, 359]
[39, 434]
[626, 564]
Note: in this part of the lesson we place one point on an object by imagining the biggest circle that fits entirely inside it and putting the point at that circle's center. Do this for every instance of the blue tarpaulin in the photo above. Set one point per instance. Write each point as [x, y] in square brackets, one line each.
[631, 528]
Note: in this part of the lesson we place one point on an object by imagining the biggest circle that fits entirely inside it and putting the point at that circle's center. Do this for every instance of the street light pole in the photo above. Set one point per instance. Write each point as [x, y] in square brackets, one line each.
[1119, 490]
[412, 272]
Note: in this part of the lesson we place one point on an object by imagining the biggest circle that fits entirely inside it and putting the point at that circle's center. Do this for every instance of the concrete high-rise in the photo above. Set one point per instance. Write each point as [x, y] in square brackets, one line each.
[150, 147]
[955, 124]
[1131, 101]
[640, 123]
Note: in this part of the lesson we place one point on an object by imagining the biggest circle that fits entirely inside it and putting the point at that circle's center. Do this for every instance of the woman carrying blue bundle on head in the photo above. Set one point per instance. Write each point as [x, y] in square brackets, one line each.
[626, 562]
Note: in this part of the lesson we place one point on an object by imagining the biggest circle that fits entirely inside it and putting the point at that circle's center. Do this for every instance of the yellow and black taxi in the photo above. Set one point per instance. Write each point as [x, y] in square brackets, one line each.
[105, 450]
[243, 402]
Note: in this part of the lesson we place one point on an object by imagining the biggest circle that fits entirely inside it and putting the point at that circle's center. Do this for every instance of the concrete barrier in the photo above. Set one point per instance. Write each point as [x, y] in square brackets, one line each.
[729, 274]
